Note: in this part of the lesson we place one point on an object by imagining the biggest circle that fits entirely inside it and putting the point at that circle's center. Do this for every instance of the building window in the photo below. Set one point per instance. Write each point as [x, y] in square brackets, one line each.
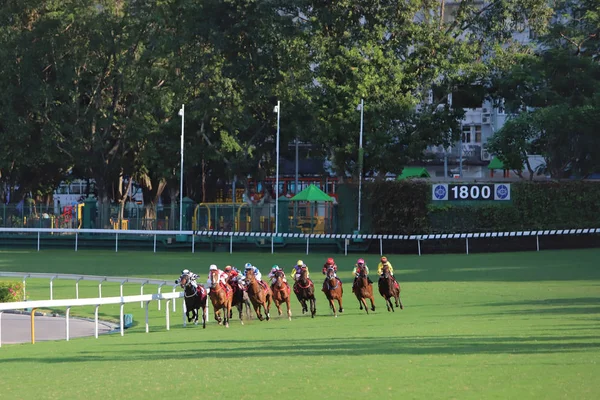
[466, 134]
[477, 133]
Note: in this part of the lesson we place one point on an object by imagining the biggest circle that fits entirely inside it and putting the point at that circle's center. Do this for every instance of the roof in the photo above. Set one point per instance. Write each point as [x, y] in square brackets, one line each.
[413, 172]
[312, 193]
[496, 164]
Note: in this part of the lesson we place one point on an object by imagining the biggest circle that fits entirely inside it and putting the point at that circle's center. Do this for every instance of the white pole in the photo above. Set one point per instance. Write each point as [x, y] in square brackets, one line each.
[360, 160]
[167, 313]
[467, 245]
[419, 245]
[76, 244]
[155, 243]
[182, 114]
[278, 109]
[96, 321]
[38, 244]
[174, 305]
[537, 241]
[121, 319]
[67, 323]
[147, 325]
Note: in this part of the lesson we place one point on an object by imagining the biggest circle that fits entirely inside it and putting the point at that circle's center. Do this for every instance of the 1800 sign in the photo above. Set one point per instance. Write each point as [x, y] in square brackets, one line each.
[458, 192]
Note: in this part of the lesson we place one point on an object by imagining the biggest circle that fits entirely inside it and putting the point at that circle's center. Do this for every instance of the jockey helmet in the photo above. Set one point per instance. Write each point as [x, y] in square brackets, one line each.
[360, 261]
[275, 267]
[300, 263]
[185, 272]
[213, 267]
[384, 260]
[228, 268]
[248, 266]
[330, 261]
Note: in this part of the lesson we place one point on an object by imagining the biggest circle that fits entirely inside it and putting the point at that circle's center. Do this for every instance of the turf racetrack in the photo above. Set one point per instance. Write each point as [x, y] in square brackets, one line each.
[485, 326]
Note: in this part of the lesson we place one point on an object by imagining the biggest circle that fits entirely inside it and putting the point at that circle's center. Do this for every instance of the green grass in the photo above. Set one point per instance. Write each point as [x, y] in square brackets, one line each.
[482, 326]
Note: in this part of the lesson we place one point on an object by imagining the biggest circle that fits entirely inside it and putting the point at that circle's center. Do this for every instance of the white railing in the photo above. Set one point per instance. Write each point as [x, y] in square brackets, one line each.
[146, 299]
[100, 279]
[346, 237]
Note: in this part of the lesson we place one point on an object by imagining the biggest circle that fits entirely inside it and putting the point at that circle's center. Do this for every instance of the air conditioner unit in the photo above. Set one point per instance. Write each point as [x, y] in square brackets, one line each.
[485, 155]
[486, 118]
[485, 110]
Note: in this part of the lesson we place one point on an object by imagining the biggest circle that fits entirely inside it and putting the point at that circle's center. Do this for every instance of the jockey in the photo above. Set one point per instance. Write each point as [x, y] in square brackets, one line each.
[257, 273]
[191, 277]
[232, 273]
[330, 263]
[358, 267]
[274, 271]
[222, 275]
[297, 270]
[385, 262]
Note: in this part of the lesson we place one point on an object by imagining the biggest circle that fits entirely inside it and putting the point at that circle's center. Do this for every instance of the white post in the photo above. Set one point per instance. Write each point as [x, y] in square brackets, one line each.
[51, 288]
[96, 320]
[121, 287]
[360, 160]
[159, 290]
[271, 244]
[174, 302]
[38, 244]
[307, 245]
[76, 239]
[147, 325]
[183, 309]
[278, 111]
[167, 311]
[100, 288]
[121, 319]
[345, 247]
[231, 244]
[77, 287]
[467, 245]
[419, 244]
[182, 114]
[67, 322]
[380, 246]
[141, 294]
[193, 245]
[24, 292]
[116, 242]
[537, 241]
[155, 243]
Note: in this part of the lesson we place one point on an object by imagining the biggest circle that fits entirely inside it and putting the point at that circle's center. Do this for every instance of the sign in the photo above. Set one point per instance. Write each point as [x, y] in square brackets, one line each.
[471, 192]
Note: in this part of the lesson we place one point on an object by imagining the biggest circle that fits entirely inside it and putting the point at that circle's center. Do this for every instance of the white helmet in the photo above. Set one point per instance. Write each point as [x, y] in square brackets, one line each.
[248, 266]
[213, 267]
[185, 272]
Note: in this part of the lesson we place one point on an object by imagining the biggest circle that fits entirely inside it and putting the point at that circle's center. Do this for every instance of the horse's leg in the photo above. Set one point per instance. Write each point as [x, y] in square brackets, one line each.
[277, 302]
[204, 316]
[268, 299]
[289, 308]
[364, 302]
[332, 307]
[313, 307]
[340, 304]
[227, 312]
[257, 311]
[195, 316]
[248, 308]
[372, 302]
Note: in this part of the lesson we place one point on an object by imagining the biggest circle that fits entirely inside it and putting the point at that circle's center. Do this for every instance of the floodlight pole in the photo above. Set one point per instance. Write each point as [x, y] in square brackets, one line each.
[278, 110]
[360, 160]
[181, 113]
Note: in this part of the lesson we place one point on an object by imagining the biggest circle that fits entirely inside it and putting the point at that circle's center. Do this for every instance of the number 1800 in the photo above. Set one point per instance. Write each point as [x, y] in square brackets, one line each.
[471, 192]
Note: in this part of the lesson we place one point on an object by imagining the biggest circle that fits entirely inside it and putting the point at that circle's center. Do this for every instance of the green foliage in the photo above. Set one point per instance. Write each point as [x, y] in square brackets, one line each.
[11, 291]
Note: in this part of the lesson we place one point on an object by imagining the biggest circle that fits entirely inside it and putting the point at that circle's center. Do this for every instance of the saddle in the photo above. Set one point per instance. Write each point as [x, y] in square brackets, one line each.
[201, 292]
[264, 285]
[225, 288]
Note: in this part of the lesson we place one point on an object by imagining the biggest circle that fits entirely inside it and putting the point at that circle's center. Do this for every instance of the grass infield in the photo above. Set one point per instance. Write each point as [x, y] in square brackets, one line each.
[483, 326]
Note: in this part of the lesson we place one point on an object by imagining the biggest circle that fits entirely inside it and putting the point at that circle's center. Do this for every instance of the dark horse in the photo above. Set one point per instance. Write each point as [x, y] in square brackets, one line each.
[221, 296]
[281, 293]
[305, 291]
[364, 290]
[194, 300]
[389, 288]
[260, 296]
[333, 290]
[240, 297]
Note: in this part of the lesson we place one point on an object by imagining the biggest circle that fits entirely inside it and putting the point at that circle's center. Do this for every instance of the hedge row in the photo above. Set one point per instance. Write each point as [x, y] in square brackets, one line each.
[406, 207]
[11, 292]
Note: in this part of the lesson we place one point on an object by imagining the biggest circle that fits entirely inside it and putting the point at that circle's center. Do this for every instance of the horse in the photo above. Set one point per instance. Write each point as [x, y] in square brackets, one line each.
[193, 300]
[221, 297]
[364, 290]
[389, 288]
[240, 297]
[259, 295]
[333, 290]
[305, 291]
[281, 293]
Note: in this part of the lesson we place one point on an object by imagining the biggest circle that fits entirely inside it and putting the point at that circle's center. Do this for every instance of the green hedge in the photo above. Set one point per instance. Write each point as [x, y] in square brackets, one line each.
[406, 207]
[11, 292]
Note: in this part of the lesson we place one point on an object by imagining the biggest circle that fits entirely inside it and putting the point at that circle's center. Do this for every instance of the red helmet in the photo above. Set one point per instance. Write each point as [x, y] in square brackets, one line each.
[360, 261]
[384, 260]
[228, 268]
[330, 261]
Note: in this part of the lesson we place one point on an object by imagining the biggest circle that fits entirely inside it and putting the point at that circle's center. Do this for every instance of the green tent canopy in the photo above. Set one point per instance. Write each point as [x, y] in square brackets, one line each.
[496, 164]
[312, 193]
[413, 172]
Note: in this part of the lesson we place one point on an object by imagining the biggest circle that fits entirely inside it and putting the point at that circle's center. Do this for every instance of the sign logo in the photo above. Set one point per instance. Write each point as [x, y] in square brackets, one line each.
[502, 192]
[440, 192]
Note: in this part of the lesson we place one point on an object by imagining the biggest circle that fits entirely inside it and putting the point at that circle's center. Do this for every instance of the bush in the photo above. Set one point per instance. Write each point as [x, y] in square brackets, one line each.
[11, 292]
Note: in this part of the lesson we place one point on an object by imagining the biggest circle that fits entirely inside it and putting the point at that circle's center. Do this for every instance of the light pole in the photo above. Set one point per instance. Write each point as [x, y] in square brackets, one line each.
[182, 114]
[361, 107]
[277, 109]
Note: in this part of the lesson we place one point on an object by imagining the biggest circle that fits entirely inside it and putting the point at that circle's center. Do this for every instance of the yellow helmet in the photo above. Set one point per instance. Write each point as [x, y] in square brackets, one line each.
[300, 263]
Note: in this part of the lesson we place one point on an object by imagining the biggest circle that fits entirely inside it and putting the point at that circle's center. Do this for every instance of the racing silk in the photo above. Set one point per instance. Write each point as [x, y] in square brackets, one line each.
[357, 269]
[257, 273]
[380, 268]
[222, 277]
[327, 266]
[297, 270]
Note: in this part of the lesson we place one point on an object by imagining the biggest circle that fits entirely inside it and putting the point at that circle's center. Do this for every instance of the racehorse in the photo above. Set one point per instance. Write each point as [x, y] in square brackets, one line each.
[363, 290]
[281, 294]
[333, 290]
[305, 291]
[389, 288]
[260, 296]
[240, 297]
[221, 297]
[194, 300]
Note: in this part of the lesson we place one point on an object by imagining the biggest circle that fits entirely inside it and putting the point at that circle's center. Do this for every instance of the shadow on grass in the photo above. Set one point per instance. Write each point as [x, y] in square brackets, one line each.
[368, 346]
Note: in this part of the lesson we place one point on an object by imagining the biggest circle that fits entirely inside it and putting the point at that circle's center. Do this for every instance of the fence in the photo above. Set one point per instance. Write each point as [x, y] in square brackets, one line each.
[348, 239]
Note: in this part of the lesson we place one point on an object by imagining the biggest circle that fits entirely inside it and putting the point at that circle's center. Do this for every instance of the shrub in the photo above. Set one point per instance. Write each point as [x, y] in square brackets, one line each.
[11, 292]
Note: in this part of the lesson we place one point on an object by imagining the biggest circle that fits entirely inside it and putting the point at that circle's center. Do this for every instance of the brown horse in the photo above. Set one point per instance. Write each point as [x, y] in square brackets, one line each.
[194, 300]
[364, 290]
[389, 288]
[305, 291]
[333, 290]
[259, 296]
[281, 293]
[221, 298]
[240, 297]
